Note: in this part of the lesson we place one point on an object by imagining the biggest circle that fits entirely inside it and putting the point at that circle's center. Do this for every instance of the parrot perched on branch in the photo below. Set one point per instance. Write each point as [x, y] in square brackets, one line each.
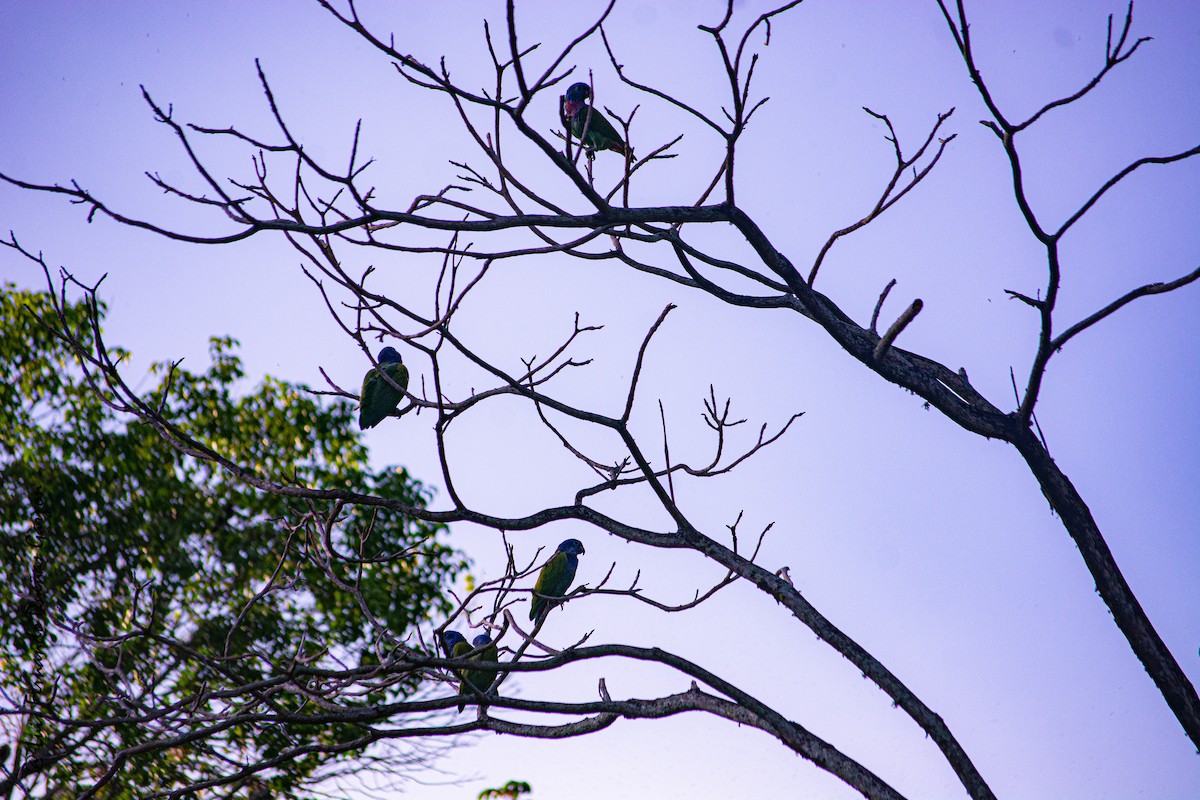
[555, 578]
[601, 135]
[380, 398]
[480, 680]
[455, 645]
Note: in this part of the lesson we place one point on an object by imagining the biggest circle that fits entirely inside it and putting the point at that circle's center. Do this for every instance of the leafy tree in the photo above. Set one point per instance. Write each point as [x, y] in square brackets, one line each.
[538, 197]
[509, 791]
[147, 584]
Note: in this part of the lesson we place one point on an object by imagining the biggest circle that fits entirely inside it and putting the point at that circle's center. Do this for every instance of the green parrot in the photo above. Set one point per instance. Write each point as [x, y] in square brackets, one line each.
[601, 135]
[455, 645]
[479, 680]
[555, 578]
[380, 398]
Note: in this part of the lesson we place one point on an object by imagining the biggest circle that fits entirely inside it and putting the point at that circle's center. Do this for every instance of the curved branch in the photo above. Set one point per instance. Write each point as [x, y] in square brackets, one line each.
[1112, 57]
[1142, 291]
[887, 199]
[1114, 180]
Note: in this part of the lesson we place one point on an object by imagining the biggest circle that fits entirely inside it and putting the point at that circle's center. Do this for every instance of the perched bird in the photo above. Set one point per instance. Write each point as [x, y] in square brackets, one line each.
[479, 680]
[555, 577]
[455, 645]
[601, 135]
[380, 398]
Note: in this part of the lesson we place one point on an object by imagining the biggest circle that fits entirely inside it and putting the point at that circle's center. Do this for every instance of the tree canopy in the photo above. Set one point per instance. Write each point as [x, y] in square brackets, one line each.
[147, 584]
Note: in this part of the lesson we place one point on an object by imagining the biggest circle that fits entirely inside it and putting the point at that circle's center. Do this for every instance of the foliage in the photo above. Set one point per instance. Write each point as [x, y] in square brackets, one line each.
[511, 790]
[140, 575]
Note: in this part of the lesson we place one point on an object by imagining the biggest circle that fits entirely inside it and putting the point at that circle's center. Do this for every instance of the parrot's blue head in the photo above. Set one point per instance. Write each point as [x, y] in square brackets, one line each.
[578, 93]
[450, 639]
[572, 547]
[388, 355]
[481, 640]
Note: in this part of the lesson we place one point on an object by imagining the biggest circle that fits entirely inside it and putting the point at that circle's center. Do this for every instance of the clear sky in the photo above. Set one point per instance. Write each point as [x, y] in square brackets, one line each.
[932, 548]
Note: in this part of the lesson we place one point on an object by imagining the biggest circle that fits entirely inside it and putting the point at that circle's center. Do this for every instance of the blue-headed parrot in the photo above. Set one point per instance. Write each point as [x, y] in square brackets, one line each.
[455, 645]
[601, 135]
[480, 680]
[380, 398]
[555, 577]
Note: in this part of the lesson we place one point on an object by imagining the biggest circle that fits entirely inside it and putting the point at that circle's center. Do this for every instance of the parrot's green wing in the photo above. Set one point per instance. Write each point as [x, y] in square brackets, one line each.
[380, 398]
[601, 135]
[461, 649]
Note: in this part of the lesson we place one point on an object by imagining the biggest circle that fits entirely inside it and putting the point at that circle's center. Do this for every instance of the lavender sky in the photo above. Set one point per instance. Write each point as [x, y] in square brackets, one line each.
[932, 548]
